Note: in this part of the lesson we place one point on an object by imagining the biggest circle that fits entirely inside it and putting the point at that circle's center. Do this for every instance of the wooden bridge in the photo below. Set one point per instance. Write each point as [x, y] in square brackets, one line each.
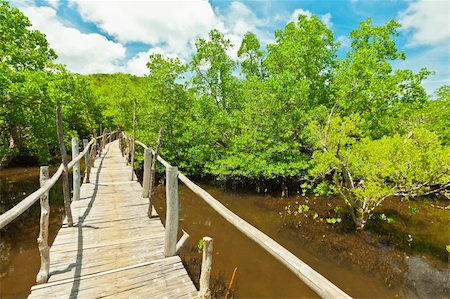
[113, 249]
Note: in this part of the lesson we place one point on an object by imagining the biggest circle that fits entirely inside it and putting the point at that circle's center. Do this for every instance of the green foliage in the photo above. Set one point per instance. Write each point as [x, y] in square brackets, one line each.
[355, 127]
[333, 220]
[413, 210]
[323, 188]
[433, 116]
[250, 51]
[352, 126]
[213, 69]
[200, 245]
[31, 86]
[383, 217]
[368, 171]
[367, 85]
[301, 62]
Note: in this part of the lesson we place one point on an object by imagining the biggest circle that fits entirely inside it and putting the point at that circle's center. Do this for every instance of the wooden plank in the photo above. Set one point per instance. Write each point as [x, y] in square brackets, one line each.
[163, 278]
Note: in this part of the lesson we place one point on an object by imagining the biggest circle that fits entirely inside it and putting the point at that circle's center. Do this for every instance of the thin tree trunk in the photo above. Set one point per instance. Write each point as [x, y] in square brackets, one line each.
[15, 142]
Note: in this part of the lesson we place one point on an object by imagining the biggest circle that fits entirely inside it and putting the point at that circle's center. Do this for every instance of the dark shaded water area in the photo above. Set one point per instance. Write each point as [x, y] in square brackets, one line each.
[382, 262]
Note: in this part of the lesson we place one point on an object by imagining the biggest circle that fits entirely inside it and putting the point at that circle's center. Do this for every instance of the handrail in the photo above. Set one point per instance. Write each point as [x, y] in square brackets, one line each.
[110, 133]
[161, 160]
[80, 156]
[23, 205]
[321, 285]
[28, 201]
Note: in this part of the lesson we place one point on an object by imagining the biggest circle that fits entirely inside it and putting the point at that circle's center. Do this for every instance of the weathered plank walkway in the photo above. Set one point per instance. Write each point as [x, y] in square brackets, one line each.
[114, 249]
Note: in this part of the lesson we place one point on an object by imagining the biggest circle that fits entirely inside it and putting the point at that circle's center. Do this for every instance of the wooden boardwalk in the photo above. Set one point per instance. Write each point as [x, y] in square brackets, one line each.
[114, 249]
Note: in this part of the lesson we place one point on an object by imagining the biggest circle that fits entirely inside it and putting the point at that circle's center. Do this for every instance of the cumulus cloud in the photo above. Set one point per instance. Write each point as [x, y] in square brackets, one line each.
[326, 18]
[52, 3]
[344, 41]
[138, 64]
[167, 24]
[238, 20]
[428, 21]
[82, 53]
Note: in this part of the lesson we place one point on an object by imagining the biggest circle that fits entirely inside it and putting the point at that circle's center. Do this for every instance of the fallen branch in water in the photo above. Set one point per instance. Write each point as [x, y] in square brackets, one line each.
[440, 207]
[231, 283]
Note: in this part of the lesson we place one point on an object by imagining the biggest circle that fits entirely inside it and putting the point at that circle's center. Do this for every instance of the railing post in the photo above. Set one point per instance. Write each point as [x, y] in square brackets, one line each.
[105, 131]
[87, 158]
[205, 275]
[132, 159]
[146, 179]
[128, 150]
[133, 149]
[44, 250]
[62, 147]
[170, 240]
[76, 170]
[91, 161]
[122, 144]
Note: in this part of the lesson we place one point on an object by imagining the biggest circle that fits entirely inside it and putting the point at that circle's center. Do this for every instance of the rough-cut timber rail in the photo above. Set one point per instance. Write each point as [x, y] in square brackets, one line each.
[114, 249]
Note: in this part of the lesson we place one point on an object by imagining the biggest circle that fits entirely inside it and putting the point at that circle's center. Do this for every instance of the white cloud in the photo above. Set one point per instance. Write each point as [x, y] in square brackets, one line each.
[299, 11]
[82, 53]
[239, 20]
[53, 3]
[167, 24]
[138, 64]
[326, 18]
[344, 41]
[428, 21]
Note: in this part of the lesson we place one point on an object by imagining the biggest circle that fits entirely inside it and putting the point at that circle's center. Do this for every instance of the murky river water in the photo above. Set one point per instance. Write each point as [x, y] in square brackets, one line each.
[19, 254]
[258, 274]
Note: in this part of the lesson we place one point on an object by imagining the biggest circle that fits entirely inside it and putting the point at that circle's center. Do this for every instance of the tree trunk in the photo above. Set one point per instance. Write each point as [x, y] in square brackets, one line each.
[15, 142]
[360, 218]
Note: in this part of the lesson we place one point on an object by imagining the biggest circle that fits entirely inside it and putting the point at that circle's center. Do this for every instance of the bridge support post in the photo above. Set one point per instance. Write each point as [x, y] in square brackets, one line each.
[170, 241]
[92, 155]
[76, 170]
[87, 156]
[44, 250]
[147, 166]
[205, 275]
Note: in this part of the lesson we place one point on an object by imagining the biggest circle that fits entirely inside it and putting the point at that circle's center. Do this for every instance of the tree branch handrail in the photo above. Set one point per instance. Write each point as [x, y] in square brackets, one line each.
[28, 201]
[318, 283]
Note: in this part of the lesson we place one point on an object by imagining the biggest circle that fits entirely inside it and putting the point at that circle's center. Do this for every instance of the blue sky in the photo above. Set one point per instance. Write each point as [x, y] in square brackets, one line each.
[118, 36]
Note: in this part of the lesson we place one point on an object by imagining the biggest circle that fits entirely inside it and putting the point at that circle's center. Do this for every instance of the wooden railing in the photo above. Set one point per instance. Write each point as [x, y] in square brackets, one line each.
[95, 146]
[322, 286]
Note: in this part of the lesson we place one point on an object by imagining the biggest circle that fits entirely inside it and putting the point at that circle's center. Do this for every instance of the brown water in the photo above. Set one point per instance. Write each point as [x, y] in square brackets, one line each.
[259, 275]
[19, 255]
